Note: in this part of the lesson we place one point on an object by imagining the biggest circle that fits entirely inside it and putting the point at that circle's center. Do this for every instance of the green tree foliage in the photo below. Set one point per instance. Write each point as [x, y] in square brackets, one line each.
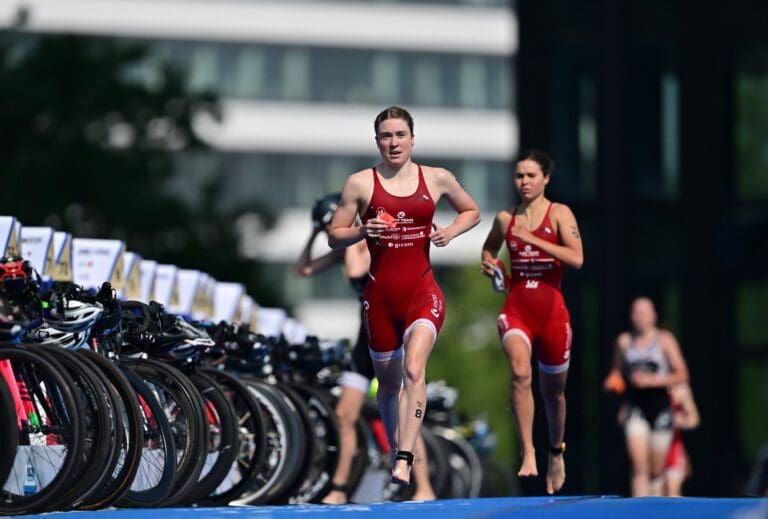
[87, 145]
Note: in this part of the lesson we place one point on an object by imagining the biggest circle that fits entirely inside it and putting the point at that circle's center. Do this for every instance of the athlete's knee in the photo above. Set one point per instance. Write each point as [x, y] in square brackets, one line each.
[346, 418]
[415, 374]
[389, 388]
[553, 394]
[554, 401]
[521, 371]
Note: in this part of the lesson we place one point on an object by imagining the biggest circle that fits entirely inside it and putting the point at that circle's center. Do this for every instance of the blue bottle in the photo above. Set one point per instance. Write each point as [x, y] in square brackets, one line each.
[30, 481]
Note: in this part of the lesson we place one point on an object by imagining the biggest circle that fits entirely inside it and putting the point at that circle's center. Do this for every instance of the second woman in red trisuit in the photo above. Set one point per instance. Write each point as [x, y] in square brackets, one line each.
[542, 237]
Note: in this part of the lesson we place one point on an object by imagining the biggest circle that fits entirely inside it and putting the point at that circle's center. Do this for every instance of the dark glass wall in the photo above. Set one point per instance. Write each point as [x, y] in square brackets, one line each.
[656, 113]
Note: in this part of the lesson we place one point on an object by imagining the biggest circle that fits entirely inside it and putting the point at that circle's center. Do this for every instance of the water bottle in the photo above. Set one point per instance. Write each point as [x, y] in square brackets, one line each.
[30, 481]
[498, 281]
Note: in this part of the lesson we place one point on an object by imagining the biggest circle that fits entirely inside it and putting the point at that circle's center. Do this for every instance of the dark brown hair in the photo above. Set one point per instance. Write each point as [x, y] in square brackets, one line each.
[393, 112]
[540, 158]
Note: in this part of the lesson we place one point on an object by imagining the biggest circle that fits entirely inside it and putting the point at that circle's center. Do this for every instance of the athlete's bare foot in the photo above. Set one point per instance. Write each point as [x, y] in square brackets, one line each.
[555, 473]
[528, 467]
[401, 475]
[335, 497]
[421, 495]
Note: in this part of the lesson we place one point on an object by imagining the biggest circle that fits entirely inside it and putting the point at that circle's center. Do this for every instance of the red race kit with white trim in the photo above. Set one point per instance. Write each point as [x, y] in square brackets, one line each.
[402, 292]
[535, 309]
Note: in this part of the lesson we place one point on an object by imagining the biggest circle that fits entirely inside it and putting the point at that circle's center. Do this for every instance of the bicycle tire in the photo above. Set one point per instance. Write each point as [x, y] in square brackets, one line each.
[253, 440]
[466, 474]
[300, 410]
[99, 426]
[125, 461]
[224, 441]
[10, 433]
[325, 437]
[285, 446]
[57, 433]
[154, 478]
[183, 406]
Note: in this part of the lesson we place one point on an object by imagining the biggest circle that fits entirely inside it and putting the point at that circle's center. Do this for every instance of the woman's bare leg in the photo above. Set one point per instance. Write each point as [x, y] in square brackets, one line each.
[553, 392]
[521, 398]
[413, 397]
[347, 412]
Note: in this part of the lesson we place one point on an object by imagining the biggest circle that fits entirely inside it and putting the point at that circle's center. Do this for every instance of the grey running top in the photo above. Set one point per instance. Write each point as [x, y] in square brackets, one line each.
[646, 359]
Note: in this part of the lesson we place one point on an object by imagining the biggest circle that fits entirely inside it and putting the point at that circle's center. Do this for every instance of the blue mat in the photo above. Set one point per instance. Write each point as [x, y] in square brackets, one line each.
[570, 507]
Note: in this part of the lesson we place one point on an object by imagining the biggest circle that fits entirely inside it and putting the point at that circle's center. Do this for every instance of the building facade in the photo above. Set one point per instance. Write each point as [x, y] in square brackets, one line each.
[299, 83]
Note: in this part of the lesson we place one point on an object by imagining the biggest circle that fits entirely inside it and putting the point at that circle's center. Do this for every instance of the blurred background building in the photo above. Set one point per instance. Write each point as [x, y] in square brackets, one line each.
[655, 112]
[300, 83]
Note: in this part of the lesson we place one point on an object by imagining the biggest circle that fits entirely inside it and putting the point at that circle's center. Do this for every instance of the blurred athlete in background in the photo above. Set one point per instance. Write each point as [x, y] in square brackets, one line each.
[647, 362]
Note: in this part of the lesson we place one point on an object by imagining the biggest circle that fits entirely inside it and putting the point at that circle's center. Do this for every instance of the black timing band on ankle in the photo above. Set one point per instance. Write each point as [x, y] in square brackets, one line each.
[407, 456]
[556, 451]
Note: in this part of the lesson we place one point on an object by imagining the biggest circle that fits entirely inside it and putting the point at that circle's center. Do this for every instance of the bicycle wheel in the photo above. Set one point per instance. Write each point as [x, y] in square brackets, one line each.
[9, 432]
[153, 482]
[324, 435]
[224, 440]
[182, 404]
[50, 437]
[285, 450]
[252, 442]
[301, 413]
[466, 474]
[100, 430]
[124, 460]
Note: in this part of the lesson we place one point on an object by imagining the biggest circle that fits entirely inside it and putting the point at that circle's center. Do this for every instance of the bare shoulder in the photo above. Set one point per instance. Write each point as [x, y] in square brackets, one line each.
[360, 177]
[667, 338]
[623, 340]
[503, 217]
[438, 175]
[360, 181]
[561, 211]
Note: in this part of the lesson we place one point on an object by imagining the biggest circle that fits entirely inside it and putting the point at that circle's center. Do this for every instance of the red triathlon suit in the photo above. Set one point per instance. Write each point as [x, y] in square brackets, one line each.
[535, 309]
[401, 292]
[676, 462]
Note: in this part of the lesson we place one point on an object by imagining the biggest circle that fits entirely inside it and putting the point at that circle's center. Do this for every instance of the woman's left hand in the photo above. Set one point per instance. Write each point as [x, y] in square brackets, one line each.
[520, 232]
[440, 236]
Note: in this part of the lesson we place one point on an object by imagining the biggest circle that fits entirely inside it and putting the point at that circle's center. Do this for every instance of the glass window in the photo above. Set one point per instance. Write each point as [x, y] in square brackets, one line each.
[751, 127]
[473, 83]
[501, 91]
[753, 401]
[386, 78]
[204, 68]
[587, 136]
[340, 74]
[670, 133]
[255, 71]
[296, 74]
[425, 78]
[245, 179]
[670, 318]
[751, 302]
[250, 75]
